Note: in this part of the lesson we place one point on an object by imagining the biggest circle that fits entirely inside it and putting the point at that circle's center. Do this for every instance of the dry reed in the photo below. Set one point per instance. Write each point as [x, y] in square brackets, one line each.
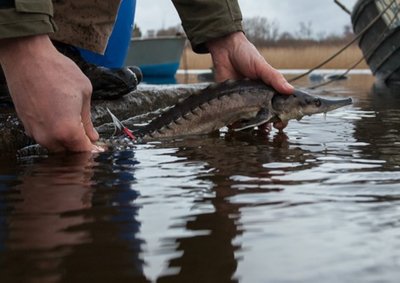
[289, 57]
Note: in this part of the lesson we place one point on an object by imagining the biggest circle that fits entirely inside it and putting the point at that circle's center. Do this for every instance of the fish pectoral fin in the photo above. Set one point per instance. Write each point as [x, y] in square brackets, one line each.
[261, 117]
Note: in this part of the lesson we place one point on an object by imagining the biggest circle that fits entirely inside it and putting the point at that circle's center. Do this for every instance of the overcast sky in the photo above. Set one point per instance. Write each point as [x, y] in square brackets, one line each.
[325, 16]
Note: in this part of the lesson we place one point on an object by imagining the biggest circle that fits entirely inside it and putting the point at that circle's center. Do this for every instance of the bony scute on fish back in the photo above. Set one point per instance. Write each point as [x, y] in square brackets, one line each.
[210, 109]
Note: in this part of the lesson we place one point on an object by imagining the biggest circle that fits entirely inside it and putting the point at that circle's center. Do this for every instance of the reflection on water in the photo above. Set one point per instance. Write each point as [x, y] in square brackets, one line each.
[72, 213]
[318, 203]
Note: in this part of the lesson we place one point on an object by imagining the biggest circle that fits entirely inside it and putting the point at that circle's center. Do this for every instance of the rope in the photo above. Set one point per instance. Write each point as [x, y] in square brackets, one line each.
[366, 54]
[342, 6]
[337, 53]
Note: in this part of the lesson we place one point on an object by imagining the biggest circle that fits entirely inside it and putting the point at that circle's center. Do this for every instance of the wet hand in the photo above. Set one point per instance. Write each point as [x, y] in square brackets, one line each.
[234, 57]
[50, 93]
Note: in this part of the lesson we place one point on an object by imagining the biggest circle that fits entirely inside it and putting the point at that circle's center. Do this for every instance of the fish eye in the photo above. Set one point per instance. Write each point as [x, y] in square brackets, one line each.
[317, 102]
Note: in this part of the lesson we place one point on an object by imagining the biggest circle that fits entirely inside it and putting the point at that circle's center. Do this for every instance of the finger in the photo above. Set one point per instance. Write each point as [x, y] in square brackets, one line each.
[87, 120]
[52, 145]
[266, 127]
[280, 125]
[69, 134]
[39, 134]
[79, 141]
[273, 77]
[88, 126]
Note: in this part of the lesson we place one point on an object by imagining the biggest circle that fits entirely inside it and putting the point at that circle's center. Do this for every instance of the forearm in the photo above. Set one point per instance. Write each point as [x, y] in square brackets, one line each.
[16, 50]
[24, 18]
[205, 20]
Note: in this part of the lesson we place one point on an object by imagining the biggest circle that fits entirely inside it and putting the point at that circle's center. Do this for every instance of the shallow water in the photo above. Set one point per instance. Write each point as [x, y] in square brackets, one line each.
[320, 203]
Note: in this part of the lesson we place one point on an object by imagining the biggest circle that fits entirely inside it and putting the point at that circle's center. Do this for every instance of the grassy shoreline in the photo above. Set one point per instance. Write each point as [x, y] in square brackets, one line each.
[288, 58]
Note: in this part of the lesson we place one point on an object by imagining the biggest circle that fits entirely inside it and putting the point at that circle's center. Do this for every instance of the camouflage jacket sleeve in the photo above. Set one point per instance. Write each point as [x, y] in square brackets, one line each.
[25, 17]
[204, 20]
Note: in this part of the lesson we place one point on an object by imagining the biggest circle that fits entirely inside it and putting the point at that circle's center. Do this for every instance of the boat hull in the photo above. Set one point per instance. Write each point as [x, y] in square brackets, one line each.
[380, 44]
[156, 57]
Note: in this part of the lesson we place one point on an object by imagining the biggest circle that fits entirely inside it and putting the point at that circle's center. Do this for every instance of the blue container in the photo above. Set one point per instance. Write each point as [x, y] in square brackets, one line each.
[118, 44]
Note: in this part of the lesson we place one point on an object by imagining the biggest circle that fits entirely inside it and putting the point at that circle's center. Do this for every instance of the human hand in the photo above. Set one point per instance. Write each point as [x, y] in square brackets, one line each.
[235, 57]
[50, 93]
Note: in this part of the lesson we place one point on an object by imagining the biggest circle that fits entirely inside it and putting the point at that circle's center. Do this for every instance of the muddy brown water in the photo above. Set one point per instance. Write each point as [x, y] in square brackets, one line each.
[320, 203]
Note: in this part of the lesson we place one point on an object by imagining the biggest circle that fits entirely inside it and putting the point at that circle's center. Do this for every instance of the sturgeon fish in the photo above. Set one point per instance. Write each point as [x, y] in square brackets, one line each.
[244, 103]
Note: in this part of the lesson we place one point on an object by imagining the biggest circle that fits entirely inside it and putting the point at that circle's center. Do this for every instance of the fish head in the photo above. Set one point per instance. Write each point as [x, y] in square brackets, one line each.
[300, 104]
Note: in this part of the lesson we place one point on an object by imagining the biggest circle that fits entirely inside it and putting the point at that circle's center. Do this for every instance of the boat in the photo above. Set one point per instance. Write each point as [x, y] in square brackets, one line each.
[157, 57]
[380, 43]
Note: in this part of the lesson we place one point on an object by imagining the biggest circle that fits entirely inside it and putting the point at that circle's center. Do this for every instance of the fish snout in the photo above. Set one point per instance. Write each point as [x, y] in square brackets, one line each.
[332, 104]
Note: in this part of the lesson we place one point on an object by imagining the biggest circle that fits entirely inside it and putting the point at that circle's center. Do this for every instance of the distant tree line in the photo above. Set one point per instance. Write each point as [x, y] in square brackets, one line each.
[263, 32]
